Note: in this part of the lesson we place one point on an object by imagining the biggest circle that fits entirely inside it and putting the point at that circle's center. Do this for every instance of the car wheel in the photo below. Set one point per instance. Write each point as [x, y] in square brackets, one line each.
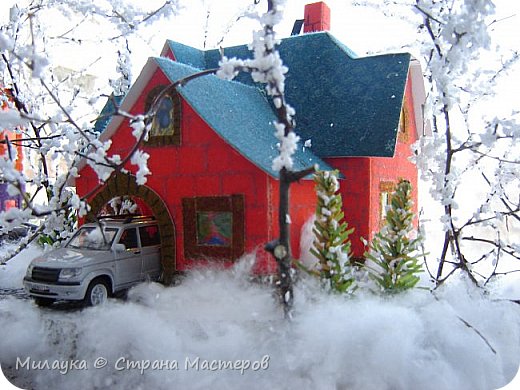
[43, 302]
[97, 293]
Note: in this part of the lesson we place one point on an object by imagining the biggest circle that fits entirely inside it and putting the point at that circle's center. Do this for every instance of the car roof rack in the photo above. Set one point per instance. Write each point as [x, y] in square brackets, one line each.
[127, 218]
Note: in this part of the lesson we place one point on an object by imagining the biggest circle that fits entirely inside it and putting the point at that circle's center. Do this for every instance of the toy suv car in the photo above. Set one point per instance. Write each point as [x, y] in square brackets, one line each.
[100, 259]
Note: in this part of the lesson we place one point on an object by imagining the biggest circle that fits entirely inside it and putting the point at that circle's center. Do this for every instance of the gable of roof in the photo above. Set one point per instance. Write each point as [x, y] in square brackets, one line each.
[106, 113]
[346, 105]
[186, 54]
[238, 113]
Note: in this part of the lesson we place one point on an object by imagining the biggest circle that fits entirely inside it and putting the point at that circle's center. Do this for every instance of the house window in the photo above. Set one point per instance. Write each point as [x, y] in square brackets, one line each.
[214, 227]
[404, 125]
[166, 123]
[386, 189]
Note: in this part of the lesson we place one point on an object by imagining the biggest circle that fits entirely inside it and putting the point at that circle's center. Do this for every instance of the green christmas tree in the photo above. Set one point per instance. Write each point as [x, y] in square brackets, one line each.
[331, 246]
[393, 257]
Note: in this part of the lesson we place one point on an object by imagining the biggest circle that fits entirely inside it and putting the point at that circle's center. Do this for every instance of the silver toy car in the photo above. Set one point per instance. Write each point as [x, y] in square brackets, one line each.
[100, 259]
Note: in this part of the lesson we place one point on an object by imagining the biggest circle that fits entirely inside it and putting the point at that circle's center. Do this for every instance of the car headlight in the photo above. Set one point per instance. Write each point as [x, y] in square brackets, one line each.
[28, 273]
[69, 273]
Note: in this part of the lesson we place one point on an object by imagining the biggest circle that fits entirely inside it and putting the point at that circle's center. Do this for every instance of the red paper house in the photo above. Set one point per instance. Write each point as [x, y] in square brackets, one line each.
[212, 142]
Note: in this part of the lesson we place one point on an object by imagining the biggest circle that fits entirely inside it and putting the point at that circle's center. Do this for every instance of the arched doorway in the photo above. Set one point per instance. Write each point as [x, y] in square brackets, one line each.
[125, 184]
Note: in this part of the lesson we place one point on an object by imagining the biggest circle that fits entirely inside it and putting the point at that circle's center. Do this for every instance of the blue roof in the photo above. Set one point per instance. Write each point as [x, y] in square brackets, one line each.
[188, 55]
[106, 113]
[239, 113]
[346, 105]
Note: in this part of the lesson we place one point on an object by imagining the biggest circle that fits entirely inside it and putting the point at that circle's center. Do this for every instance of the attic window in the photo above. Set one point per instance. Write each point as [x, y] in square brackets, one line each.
[404, 125]
[166, 123]
[386, 189]
[214, 227]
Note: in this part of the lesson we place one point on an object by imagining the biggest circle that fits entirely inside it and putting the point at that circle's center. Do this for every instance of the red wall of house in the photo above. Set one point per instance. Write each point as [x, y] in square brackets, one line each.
[354, 190]
[204, 165]
[302, 206]
[360, 189]
[393, 169]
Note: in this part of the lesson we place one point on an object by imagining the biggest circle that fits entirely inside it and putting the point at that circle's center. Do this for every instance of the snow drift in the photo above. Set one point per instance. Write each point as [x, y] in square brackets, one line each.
[193, 335]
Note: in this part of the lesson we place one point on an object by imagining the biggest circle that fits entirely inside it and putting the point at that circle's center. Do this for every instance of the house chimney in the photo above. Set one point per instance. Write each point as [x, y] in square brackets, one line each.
[317, 17]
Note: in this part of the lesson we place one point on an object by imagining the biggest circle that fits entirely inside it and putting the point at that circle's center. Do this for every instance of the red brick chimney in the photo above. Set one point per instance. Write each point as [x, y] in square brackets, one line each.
[317, 17]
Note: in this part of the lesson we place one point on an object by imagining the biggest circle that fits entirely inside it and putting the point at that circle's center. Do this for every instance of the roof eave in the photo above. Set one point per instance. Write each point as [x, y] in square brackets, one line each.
[419, 99]
[126, 104]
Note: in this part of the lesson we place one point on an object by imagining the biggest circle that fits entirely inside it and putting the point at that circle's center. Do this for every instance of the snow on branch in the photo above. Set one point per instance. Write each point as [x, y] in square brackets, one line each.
[50, 111]
[267, 67]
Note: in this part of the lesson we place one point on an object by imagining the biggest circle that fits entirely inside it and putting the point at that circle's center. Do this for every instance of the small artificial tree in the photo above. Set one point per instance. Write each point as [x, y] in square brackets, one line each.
[393, 257]
[331, 246]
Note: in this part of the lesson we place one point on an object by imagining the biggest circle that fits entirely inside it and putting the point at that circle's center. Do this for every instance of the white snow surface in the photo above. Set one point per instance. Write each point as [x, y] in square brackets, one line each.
[415, 340]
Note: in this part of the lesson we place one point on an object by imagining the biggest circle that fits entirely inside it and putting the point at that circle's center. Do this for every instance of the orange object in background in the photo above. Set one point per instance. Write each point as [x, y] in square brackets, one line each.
[7, 103]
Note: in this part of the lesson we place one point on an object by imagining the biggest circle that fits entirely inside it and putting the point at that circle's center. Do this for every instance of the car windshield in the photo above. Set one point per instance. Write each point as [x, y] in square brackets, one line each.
[92, 237]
